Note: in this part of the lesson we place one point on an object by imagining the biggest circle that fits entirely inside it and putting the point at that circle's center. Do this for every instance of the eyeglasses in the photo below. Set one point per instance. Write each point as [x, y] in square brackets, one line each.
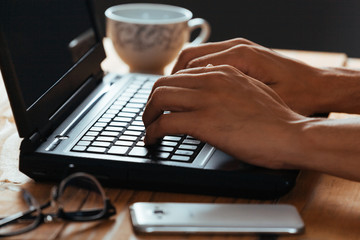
[79, 197]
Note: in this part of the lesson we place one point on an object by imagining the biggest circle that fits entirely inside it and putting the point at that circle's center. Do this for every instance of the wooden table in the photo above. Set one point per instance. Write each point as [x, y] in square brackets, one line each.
[330, 206]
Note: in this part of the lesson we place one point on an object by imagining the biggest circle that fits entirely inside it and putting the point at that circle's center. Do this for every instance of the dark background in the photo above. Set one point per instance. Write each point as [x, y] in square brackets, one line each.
[324, 25]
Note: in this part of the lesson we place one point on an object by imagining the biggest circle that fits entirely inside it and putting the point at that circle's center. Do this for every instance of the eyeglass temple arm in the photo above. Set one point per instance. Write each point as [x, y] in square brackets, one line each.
[25, 215]
[109, 210]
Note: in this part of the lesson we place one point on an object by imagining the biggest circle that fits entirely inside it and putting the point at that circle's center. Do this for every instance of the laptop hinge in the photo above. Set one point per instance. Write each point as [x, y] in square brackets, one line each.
[30, 144]
[40, 135]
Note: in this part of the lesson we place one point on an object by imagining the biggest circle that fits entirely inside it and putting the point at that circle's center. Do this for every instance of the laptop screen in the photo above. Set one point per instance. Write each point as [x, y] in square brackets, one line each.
[45, 39]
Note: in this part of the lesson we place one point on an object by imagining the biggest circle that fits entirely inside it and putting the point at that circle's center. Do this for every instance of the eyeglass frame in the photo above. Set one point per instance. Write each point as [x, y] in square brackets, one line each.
[78, 216]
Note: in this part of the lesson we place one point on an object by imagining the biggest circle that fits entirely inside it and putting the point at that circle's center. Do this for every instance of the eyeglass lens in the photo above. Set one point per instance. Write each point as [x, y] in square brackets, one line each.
[80, 198]
[15, 202]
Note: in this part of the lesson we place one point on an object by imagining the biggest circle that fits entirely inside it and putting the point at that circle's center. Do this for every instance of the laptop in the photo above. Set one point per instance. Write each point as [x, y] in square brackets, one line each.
[74, 117]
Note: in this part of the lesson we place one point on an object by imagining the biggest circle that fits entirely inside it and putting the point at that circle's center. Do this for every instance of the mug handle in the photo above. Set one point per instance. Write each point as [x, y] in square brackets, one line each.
[204, 33]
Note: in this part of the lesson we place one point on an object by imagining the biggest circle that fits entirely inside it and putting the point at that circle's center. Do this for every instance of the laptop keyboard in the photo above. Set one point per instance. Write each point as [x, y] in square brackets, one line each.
[120, 130]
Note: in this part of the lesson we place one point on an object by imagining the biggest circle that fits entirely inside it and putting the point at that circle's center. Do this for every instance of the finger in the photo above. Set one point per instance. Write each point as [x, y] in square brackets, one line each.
[230, 69]
[227, 69]
[187, 79]
[207, 48]
[207, 69]
[171, 124]
[226, 56]
[241, 56]
[254, 61]
[172, 99]
[183, 81]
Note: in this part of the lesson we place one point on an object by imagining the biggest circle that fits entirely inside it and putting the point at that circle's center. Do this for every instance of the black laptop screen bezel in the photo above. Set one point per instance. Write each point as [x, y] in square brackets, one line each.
[40, 115]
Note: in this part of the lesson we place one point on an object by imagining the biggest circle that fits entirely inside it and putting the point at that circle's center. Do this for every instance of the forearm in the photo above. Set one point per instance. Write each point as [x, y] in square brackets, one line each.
[339, 90]
[331, 146]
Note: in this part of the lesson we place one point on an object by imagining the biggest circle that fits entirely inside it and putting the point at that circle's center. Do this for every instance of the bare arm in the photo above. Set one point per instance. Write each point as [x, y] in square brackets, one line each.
[247, 119]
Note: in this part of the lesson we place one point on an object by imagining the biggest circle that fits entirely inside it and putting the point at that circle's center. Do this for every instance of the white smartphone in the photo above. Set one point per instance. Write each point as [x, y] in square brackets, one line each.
[149, 217]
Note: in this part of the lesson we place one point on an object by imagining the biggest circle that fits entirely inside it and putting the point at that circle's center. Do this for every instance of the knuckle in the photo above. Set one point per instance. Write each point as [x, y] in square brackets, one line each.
[185, 53]
[217, 78]
[182, 71]
[160, 83]
[241, 40]
[242, 48]
[158, 94]
[194, 63]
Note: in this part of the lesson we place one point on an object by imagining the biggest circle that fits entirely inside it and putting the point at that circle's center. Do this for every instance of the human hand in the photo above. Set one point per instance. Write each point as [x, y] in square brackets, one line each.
[301, 86]
[226, 108]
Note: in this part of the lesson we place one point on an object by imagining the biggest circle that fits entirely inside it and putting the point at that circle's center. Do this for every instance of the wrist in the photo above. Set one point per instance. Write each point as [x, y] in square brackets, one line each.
[297, 145]
[338, 90]
[329, 146]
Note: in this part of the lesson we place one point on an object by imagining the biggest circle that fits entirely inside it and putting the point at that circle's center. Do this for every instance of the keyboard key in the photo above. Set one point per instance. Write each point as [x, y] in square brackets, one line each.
[188, 147]
[131, 110]
[184, 152]
[106, 120]
[114, 129]
[79, 148]
[140, 143]
[148, 85]
[124, 143]
[97, 129]
[120, 102]
[180, 158]
[144, 91]
[88, 138]
[92, 133]
[105, 139]
[129, 93]
[132, 133]
[101, 144]
[135, 105]
[141, 95]
[109, 134]
[138, 151]
[138, 100]
[100, 124]
[122, 119]
[163, 155]
[165, 149]
[192, 141]
[190, 137]
[96, 149]
[172, 138]
[126, 114]
[128, 138]
[138, 123]
[168, 143]
[122, 99]
[108, 115]
[118, 124]
[112, 111]
[83, 143]
[118, 150]
[116, 107]
[136, 128]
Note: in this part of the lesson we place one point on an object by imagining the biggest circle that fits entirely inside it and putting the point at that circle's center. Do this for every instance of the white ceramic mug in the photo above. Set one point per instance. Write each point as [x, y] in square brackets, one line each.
[148, 37]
